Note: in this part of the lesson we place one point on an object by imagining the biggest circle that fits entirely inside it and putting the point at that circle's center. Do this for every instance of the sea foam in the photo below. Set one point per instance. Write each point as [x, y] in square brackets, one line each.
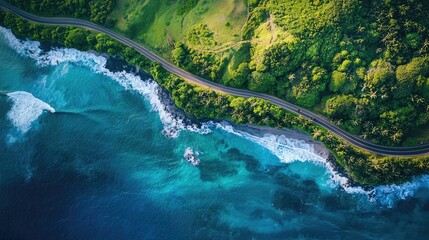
[149, 88]
[290, 150]
[25, 110]
[286, 149]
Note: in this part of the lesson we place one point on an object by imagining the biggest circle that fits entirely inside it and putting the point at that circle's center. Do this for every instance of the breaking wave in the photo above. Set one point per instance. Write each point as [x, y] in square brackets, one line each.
[289, 150]
[149, 89]
[25, 110]
[286, 149]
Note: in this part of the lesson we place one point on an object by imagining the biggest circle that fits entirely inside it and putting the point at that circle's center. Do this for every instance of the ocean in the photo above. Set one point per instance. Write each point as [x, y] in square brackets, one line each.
[90, 153]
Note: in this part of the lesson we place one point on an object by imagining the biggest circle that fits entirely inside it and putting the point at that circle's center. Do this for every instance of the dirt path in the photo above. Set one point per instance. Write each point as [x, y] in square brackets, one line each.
[272, 28]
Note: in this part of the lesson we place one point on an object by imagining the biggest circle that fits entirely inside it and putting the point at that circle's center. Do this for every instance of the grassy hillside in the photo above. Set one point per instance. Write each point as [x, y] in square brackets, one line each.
[162, 23]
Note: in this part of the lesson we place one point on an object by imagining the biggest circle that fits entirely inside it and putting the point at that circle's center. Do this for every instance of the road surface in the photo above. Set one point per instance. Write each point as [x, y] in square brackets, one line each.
[317, 119]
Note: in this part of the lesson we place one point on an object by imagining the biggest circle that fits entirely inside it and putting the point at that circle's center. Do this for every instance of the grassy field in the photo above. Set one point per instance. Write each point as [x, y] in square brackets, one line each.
[158, 23]
[118, 13]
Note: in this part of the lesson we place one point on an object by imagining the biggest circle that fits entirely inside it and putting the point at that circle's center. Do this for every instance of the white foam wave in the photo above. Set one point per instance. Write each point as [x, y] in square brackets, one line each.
[25, 110]
[149, 89]
[387, 195]
[289, 150]
[191, 156]
[25, 48]
[286, 149]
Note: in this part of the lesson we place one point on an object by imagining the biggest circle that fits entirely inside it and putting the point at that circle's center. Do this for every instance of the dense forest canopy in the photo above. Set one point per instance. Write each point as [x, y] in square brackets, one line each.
[94, 10]
[364, 64]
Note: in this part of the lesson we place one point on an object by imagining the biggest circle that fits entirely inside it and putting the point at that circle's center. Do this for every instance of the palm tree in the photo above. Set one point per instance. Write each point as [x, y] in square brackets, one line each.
[403, 9]
[397, 136]
[424, 47]
[316, 133]
[374, 130]
[266, 120]
[376, 164]
[373, 95]
[420, 28]
[367, 125]
[408, 23]
[386, 38]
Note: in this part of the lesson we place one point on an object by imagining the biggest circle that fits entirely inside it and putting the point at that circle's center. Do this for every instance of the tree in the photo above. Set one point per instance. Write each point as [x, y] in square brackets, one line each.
[319, 75]
[413, 40]
[381, 73]
[408, 74]
[76, 38]
[239, 76]
[345, 66]
[262, 82]
[341, 83]
[340, 106]
[179, 53]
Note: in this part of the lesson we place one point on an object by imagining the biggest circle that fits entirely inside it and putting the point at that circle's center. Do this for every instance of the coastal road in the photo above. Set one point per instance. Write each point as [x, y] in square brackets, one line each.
[317, 119]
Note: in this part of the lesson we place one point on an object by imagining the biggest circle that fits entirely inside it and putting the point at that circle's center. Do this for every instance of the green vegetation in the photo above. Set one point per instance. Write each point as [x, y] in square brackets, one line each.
[160, 24]
[201, 35]
[94, 10]
[306, 52]
[364, 64]
[205, 64]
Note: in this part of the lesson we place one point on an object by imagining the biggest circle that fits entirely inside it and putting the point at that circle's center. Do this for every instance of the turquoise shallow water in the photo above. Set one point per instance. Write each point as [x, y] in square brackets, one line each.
[84, 155]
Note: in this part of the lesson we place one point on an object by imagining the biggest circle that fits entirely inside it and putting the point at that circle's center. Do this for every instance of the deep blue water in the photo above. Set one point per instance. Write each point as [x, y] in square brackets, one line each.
[84, 155]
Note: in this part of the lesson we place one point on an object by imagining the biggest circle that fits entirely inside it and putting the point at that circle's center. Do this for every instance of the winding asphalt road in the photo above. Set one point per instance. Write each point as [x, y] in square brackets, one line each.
[317, 119]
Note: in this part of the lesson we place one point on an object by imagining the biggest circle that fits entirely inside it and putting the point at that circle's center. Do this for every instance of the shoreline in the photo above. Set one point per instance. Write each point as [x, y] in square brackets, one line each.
[117, 64]
[354, 159]
[319, 148]
[261, 131]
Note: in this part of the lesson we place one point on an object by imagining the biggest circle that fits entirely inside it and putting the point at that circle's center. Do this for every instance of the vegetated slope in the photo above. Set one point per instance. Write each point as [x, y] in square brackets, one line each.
[94, 10]
[364, 64]
[162, 23]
